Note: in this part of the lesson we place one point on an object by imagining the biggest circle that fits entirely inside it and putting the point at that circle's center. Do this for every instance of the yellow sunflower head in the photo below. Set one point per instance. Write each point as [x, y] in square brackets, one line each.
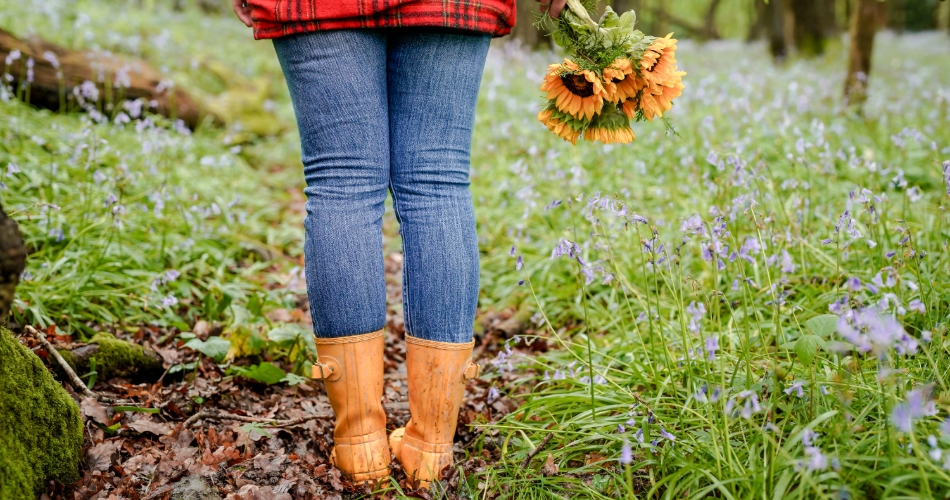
[653, 101]
[658, 64]
[620, 81]
[562, 124]
[609, 127]
[577, 92]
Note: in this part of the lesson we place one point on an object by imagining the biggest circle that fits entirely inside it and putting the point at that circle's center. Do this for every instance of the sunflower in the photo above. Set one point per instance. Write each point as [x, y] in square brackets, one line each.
[562, 124]
[660, 81]
[609, 127]
[653, 101]
[577, 92]
[620, 81]
[658, 64]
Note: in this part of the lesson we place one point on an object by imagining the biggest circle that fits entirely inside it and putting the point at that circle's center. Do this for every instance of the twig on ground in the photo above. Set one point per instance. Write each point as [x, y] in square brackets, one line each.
[536, 450]
[272, 422]
[76, 381]
[211, 414]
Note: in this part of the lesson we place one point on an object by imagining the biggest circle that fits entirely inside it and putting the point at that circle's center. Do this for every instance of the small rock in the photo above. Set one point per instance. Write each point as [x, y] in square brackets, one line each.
[194, 488]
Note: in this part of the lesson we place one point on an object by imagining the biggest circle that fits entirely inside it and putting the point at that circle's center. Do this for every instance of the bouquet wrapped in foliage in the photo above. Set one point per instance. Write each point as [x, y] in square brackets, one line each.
[614, 74]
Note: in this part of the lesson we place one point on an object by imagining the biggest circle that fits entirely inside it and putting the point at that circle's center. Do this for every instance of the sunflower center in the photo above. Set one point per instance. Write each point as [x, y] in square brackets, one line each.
[578, 85]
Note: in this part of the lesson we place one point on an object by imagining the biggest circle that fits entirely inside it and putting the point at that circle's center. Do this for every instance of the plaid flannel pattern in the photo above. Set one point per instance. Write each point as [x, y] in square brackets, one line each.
[277, 18]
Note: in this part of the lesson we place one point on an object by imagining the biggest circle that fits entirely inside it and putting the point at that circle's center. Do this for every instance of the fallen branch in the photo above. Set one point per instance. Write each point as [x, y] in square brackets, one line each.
[76, 381]
[536, 450]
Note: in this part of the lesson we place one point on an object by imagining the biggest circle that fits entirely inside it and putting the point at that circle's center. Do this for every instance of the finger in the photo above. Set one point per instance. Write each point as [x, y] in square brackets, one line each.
[242, 11]
[556, 7]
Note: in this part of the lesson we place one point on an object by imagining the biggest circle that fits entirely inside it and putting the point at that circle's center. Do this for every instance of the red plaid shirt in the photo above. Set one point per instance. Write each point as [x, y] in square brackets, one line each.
[277, 18]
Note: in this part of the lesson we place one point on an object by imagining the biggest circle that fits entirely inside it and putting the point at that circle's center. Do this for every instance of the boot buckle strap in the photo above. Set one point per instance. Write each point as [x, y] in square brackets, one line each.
[473, 370]
[327, 369]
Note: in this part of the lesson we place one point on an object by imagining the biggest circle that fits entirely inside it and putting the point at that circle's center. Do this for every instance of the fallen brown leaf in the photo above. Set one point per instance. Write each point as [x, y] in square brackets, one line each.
[550, 468]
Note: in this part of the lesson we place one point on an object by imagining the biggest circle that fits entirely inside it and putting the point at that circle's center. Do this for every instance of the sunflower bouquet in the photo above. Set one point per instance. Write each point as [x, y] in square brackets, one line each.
[614, 74]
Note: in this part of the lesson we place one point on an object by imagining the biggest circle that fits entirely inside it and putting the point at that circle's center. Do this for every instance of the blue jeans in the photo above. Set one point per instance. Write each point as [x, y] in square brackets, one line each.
[388, 110]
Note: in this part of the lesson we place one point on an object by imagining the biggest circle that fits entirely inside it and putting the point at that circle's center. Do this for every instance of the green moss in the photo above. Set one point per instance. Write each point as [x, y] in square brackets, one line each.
[115, 358]
[41, 432]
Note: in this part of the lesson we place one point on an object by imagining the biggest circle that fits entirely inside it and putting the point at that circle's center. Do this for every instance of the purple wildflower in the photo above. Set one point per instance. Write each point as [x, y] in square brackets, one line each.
[694, 225]
[626, 454]
[917, 305]
[870, 331]
[816, 461]
[916, 405]
[666, 435]
[712, 345]
[809, 437]
[638, 436]
[854, 284]
[696, 310]
[520, 263]
[493, 394]
[169, 300]
[796, 387]
[788, 265]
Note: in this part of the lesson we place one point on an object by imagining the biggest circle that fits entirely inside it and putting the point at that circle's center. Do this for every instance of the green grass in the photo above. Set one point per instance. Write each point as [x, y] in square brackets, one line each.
[763, 153]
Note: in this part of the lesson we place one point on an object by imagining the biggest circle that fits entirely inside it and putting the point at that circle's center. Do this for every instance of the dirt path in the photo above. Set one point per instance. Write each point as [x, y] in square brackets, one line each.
[140, 455]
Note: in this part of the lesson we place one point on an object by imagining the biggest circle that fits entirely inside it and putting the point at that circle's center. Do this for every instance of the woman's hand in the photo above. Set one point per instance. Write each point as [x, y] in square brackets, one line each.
[243, 11]
[552, 7]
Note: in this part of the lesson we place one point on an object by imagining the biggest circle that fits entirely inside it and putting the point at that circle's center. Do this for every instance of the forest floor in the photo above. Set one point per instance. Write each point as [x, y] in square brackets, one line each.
[146, 453]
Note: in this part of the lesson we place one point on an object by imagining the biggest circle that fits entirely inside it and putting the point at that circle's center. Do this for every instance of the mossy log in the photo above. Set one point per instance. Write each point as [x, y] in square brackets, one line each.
[41, 431]
[114, 358]
[57, 70]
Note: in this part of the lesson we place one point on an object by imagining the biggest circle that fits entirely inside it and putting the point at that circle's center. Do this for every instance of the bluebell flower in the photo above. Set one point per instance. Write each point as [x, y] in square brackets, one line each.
[816, 461]
[666, 435]
[916, 405]
[796, 387]
[712, 345]
[809, 436]
[626, 454]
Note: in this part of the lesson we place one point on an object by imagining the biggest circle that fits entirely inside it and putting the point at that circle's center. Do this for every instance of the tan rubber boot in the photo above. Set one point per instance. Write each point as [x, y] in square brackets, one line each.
[352, 370]
[436, 372]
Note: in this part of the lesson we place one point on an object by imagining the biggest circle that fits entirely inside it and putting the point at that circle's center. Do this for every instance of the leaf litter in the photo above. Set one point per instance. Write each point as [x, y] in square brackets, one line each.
[151, 455]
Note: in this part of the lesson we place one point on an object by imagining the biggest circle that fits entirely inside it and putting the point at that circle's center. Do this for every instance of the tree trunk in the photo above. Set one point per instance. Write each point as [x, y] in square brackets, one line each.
[759, 27]
[779, 24]
[12, 262]
[864, 23]
[524, 29]
[811, 26]
[943, 16]
[56, 81]
[709, 23]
